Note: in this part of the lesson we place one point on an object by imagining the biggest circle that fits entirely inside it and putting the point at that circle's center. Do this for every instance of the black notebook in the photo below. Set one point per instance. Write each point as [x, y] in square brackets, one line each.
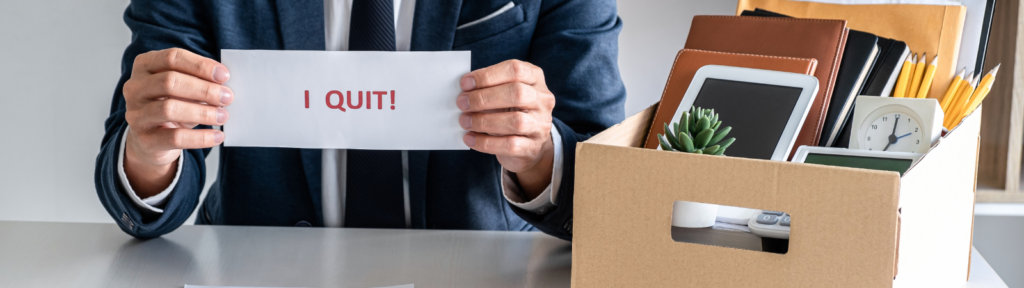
[762, 13]
[859, 57]
[986, 29]
[891, 55]
[881, 80]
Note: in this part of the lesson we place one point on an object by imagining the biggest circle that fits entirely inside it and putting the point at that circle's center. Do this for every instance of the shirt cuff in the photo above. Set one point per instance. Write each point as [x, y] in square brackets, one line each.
[546, 200]
[152, 202]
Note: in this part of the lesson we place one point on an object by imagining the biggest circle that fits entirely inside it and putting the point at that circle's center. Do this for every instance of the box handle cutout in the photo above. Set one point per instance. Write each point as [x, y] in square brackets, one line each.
[729, 226]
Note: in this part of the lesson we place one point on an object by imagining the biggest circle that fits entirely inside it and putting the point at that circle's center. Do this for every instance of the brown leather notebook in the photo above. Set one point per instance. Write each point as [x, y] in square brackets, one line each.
[823, 40]
[688, 61]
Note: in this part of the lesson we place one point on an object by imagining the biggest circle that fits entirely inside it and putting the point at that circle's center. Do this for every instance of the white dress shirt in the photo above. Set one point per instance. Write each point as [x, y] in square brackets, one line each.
[334, 161]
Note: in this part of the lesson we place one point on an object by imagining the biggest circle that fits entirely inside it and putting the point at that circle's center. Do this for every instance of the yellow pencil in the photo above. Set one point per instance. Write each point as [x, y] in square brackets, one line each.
[954, 105]
[915, 79]
[964, 83]
[929, 76]
[953, 87]
[958, 106]
[979, 95]
[901, 82]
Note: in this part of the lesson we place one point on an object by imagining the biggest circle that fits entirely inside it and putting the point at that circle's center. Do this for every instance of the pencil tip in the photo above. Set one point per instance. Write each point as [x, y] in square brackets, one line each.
[935, 60]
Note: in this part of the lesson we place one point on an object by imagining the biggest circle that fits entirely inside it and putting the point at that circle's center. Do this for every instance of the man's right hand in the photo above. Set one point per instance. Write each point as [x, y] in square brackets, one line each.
[169, 93]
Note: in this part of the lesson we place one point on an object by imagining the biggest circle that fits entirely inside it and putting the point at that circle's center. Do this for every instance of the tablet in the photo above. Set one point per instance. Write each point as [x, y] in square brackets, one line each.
[898, 162]
[765, 108]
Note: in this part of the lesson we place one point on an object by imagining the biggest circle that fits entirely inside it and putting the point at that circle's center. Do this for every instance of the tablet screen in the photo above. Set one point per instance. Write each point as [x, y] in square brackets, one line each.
[885, 164]
[758, 113]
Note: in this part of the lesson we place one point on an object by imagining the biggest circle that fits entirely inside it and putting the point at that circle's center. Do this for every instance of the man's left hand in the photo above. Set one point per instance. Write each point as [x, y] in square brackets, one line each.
[507, 109]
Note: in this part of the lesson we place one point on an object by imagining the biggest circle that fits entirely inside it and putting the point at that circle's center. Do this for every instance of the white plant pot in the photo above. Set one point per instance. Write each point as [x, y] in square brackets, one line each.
[693, 215]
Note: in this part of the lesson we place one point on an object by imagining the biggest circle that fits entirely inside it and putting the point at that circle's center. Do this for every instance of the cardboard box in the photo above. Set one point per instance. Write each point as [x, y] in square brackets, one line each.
[851, 227]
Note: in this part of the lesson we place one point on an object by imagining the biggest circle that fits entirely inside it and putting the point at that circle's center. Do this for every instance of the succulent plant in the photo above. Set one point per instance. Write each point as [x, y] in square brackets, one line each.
[696, 132]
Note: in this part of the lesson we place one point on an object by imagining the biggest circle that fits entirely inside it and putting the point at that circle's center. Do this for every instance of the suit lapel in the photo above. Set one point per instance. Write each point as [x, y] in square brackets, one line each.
[301, 23]
[433, 29]
[434, 23]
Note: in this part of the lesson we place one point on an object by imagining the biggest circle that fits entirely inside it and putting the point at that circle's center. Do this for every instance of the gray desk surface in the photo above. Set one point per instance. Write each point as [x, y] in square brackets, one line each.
[42, 254]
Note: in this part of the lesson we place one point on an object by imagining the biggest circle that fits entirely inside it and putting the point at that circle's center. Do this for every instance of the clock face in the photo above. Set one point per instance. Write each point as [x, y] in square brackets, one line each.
[894, 131]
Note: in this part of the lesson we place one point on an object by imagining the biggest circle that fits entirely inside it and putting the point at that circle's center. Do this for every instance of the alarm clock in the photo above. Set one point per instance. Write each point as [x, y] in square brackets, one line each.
[895, 124]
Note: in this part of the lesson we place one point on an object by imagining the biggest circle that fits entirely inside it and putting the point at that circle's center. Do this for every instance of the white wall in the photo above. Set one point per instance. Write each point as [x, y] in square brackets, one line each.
[653, 32]
[59, 62]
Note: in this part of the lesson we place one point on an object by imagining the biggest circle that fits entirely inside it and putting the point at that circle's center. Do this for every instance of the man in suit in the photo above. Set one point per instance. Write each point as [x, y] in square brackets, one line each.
[544, 78]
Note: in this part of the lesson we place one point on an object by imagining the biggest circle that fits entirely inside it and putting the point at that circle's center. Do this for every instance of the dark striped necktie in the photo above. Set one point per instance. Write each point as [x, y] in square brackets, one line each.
[374, 194]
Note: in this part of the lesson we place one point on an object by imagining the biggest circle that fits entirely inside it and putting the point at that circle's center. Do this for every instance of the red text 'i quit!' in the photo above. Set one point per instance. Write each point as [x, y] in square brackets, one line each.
[346, 99]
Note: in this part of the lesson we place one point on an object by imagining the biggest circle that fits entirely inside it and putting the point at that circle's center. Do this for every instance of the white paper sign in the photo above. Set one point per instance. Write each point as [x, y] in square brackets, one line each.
[343, 99]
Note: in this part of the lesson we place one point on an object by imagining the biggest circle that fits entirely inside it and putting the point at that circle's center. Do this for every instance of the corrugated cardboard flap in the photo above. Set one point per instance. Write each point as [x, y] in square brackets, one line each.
[630, 133]
[937, 203]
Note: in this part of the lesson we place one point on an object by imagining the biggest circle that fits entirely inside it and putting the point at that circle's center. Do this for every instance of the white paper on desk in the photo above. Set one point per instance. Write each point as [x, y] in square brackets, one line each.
[270, 107]
[199, 286]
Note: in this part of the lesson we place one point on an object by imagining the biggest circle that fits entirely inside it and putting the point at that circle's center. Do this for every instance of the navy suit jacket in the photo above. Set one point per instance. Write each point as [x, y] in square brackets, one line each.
[574, 41]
